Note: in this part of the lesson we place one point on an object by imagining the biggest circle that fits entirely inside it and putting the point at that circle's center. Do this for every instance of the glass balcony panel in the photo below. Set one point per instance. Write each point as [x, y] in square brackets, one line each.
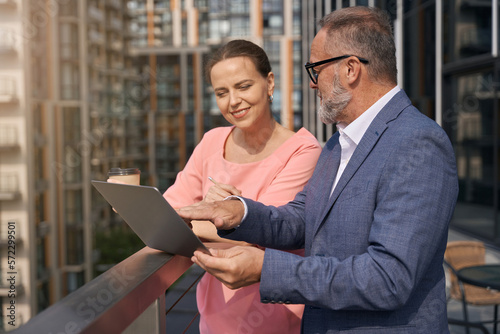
[8, 136]
[7, 89]
[7, 40]
[9, 185]
[95, 14]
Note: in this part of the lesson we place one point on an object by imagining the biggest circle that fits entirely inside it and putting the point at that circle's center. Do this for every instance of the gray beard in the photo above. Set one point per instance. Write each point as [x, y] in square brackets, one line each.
[331, 108]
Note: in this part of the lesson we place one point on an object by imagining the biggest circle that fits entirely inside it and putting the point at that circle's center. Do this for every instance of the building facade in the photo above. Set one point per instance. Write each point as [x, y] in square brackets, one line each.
[91, 84]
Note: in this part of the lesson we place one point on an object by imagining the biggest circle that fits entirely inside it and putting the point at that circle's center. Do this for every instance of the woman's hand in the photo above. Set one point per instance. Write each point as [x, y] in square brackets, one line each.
[219, 191]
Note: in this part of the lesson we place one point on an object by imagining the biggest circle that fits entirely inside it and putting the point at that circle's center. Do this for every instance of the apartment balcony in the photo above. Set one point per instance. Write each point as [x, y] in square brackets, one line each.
[95, 37]
[8, 2]
[8, 138]
[7, 41]
[95, 14]
[136, 5]
[116, 45]
[7, 90]
[115, 24]
[134, 296]
[116, 4]
[9, 186]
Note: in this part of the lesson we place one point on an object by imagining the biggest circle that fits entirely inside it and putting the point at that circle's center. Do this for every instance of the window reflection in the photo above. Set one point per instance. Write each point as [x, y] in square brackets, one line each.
[469, 123]
[467, 29]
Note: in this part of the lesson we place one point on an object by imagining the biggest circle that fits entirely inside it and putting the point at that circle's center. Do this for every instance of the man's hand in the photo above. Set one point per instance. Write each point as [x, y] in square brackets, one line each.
[224, 215]
[235, 267]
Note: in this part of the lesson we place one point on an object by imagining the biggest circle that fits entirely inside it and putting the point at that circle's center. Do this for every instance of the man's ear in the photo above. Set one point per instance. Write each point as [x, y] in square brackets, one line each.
[353, 69]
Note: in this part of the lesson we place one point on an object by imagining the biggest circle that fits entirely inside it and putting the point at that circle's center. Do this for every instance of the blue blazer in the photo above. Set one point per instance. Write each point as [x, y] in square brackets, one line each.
[374, 249]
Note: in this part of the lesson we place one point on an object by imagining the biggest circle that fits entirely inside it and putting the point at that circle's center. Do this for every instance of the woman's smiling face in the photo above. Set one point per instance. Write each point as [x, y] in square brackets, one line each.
[241, 92]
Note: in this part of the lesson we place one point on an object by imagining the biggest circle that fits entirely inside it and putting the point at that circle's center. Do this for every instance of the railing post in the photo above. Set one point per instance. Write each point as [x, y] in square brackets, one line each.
[152, 320]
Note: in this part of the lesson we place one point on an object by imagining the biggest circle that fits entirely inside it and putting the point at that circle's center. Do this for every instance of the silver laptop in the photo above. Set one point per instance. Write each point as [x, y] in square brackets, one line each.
[151, 217]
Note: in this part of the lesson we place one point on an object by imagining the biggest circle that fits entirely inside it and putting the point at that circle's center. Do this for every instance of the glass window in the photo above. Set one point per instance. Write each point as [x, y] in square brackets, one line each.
[297, 24]
[467, 29]
[273, 24]
[297, 5]
[469, 123]
[240, 6]
[42, 259]
[39, 57]
[219, 6]
[73, 221]
[419, 55]
[73, 147]
[73, 204]
[67, 9]
[70, 76]
[68, 40]
[43, 294]
[272, 6]
[219, 28]
[240, 26]
[74, 281]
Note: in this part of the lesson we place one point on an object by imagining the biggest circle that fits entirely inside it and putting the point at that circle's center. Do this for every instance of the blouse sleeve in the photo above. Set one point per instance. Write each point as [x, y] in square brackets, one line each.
[297, 170]
[187, 188]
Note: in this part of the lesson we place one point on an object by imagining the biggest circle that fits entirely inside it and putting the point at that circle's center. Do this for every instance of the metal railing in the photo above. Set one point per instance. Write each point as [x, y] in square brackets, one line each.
[128, 298]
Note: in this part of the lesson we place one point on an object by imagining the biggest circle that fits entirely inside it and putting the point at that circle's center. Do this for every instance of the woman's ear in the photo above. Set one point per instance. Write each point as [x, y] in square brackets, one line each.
[270, 83]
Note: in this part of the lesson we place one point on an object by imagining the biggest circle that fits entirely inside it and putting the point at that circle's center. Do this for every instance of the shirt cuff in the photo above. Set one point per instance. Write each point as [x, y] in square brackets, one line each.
[235, 197]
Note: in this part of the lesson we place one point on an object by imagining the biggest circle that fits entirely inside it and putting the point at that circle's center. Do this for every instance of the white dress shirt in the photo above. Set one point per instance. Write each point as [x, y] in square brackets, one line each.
[350, 135]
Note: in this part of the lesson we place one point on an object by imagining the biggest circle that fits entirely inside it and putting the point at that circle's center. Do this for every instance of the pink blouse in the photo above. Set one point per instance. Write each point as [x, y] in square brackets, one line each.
[274, 181]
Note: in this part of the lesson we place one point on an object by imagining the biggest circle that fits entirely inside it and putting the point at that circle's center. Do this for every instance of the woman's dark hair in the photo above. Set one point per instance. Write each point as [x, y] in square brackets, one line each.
[240, 48]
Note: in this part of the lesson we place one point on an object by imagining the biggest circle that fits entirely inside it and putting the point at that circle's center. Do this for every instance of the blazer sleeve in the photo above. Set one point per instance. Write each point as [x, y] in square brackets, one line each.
[415, 197]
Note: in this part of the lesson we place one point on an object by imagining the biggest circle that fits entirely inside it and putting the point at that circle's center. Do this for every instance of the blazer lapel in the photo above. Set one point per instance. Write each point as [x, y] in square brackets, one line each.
[365, 146]
[330, 173]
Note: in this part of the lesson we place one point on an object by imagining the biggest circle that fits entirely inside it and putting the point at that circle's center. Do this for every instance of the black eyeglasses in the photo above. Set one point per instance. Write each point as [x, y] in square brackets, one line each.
[314, 75]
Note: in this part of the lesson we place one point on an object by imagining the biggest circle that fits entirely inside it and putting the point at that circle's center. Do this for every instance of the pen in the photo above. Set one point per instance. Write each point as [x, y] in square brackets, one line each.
[211, 179]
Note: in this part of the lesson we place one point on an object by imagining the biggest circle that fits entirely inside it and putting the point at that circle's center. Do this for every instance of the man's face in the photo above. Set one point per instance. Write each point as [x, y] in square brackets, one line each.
[334, 97]
[332, 106]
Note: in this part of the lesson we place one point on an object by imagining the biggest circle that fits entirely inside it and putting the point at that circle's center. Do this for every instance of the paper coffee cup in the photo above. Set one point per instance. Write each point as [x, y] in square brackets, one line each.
[126, 175]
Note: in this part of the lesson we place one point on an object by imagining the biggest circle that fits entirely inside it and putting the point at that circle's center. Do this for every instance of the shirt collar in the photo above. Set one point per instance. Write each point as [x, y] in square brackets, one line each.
[357, 128]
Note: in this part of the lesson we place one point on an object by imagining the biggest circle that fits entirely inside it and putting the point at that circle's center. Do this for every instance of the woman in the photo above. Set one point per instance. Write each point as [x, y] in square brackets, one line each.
[255, 157]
